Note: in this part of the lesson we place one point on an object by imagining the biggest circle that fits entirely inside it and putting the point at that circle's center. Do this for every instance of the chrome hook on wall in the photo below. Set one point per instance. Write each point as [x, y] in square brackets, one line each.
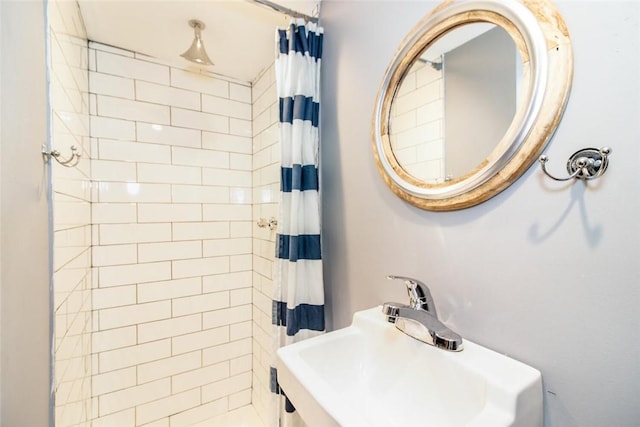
[585, 164]
[69, 163]
[272, 224]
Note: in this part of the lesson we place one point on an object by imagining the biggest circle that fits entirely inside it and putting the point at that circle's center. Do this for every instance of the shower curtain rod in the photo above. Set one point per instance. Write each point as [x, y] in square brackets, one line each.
[290, 12]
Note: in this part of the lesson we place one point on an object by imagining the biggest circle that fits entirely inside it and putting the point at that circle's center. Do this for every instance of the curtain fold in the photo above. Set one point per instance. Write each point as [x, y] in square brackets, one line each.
[298, 301]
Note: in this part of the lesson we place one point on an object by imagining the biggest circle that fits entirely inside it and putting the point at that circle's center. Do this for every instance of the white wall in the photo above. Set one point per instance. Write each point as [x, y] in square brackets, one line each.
[72, 279]
[417, 132]
[183, 141]
[24, 325]
[266, 198]
[221, 205]
[544, 272]
[172, 159]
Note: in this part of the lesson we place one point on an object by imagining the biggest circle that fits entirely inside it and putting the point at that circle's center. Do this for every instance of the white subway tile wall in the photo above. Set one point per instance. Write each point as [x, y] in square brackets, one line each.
[266, 187]
[172, 242]
[172, 324]
[418, 130]
[72, 216]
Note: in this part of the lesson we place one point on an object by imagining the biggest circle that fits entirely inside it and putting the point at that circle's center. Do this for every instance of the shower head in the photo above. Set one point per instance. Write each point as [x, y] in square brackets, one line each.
[435, 65]
[196, 52]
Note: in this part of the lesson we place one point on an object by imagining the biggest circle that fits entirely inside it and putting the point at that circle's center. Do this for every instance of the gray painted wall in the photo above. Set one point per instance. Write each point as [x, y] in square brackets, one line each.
[545, 272]
[24, 266]
[479, 99]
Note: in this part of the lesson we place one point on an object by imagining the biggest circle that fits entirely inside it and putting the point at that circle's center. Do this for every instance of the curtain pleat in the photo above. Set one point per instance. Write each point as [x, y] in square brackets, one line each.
[298, 301]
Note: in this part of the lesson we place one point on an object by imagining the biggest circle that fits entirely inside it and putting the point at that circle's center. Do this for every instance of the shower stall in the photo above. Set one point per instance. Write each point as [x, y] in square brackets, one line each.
[162, 276]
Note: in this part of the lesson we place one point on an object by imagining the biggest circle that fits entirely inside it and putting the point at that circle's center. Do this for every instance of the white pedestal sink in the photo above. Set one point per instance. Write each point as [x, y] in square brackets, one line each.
[371, 374]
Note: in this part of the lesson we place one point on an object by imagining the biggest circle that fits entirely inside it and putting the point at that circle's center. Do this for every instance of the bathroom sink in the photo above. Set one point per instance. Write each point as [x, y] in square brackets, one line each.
[372, 374]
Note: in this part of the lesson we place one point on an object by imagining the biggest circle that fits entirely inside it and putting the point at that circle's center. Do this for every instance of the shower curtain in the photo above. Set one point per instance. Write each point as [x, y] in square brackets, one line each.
[298, 303]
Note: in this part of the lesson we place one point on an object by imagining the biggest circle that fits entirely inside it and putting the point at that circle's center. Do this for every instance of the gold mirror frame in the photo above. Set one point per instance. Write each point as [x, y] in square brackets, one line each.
[543, 41]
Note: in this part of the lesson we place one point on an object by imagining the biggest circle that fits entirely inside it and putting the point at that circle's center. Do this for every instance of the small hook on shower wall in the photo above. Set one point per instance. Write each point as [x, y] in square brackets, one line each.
[69, 163]
[272, 224]
[585, 164]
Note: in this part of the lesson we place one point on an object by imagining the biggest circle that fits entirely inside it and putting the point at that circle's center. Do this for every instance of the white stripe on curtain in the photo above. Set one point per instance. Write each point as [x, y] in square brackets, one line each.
[298, 301]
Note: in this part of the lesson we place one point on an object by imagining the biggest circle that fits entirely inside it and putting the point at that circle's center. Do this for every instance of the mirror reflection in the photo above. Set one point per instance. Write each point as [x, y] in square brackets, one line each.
[455, 103]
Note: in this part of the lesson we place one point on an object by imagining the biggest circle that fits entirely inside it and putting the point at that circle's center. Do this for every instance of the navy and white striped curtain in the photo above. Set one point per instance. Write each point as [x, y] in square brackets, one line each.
[298, 303]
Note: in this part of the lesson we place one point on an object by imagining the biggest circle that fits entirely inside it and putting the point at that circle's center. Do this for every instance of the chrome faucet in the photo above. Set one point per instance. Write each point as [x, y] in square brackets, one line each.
[419, 319]
[419, 294]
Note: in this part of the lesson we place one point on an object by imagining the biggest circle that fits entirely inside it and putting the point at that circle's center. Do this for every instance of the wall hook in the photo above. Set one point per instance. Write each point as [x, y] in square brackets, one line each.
[272, 224]
[69, 163]
[585, 164]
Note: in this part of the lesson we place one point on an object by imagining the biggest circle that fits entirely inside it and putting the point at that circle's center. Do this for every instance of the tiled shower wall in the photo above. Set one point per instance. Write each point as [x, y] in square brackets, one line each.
[266, 187]
[71, 215]
[172, 239]
[418, 123]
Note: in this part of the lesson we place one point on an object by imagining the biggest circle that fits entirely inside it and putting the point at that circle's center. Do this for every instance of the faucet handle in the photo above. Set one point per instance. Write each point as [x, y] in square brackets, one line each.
[419, 294]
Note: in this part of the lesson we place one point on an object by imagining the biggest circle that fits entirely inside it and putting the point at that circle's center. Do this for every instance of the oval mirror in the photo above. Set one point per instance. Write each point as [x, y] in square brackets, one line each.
[470, 99]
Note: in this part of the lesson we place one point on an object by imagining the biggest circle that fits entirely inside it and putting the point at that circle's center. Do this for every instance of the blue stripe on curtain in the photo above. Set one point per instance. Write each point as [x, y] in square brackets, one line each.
[299, 107]
[278, 313]
[303, 42]
[273, 380]
[303, 178]
[294, 248]
[303, 316]
[283, 45]
[275, 388]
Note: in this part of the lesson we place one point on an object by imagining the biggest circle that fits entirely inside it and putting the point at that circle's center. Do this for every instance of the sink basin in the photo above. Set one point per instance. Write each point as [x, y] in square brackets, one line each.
[372, 374]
